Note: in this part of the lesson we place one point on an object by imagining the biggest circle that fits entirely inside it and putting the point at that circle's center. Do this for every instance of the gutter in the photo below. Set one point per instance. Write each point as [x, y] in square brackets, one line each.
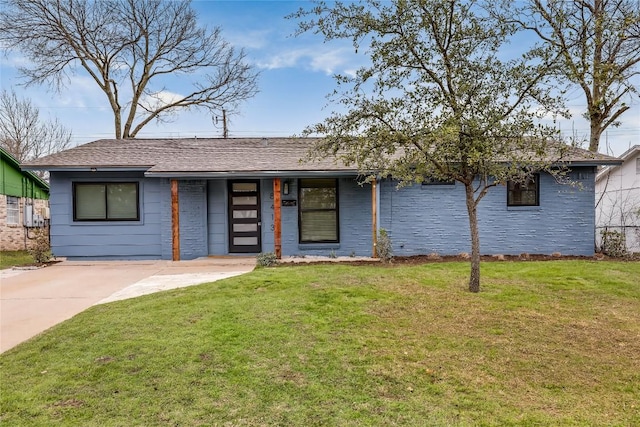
[252, 174]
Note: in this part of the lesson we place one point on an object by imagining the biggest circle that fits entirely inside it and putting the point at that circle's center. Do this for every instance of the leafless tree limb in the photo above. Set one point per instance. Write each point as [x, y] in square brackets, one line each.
[129, 48]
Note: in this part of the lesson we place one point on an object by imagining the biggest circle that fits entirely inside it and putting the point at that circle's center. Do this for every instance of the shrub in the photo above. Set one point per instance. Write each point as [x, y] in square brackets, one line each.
[614, 243]
[41, 249]
[385, 249]
[267, 259]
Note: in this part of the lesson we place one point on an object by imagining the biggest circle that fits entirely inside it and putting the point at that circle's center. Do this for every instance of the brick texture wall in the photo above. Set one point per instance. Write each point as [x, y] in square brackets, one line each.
[16, 237]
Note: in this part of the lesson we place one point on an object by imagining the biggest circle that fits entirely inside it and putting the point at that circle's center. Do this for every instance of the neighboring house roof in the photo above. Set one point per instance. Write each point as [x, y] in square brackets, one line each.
[204, 157]
[627, 155]
[8, 187]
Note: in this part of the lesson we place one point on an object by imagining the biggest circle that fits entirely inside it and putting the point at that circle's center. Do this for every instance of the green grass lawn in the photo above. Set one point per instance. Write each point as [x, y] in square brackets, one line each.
[10, 259]
[544, 343]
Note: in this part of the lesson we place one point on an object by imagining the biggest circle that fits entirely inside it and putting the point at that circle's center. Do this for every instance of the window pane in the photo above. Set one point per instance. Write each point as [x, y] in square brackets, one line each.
[318, 226]
[318, 210]
[245, 241]
[245, 200]
[318, 198]
[318, 182]
[245, 214]
[523, 194]
[122, 201]
[245, 227]
[13, 210]
[241, 187]
[90, 201]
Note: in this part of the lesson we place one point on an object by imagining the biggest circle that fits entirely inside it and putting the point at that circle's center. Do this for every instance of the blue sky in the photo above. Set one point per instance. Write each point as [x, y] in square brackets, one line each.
[296, 76]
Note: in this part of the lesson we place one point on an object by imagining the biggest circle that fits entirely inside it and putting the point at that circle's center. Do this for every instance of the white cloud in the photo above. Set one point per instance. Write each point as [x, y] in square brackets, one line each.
[160, 99]
[328, 61]
[257, 39]
[283, 60]
[15, 60]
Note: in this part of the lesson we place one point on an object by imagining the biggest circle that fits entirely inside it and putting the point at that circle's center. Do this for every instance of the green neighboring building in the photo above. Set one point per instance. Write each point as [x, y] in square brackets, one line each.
[24, 204]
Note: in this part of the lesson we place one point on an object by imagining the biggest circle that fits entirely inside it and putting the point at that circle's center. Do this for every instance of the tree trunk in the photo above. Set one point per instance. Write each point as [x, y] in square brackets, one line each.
[118, 125]
[597, 113]
[595, 133]
[474, 278]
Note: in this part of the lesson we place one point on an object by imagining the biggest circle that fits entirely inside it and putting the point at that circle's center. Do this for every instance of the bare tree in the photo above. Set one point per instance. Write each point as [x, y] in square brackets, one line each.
[23, 134]
[598, 42]
[129, 48]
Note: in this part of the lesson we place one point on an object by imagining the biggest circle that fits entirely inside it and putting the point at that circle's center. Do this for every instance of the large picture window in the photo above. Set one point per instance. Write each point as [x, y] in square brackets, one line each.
[524, 193]
[105, 201]
[318, 212]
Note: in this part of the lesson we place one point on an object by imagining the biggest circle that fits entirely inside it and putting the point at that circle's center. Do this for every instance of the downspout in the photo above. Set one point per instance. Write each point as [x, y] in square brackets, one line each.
[378, 201]
[375, 209]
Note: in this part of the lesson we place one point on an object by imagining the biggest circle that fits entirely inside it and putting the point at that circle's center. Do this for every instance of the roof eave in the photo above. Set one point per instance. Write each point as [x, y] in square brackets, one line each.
[42, 183]
[95, 168]
[591, 162]
[250, 174]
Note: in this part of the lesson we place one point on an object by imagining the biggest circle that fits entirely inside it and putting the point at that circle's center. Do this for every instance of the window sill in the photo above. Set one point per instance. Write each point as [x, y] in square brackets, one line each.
[524, 208]
[317, 246]
[95, 223]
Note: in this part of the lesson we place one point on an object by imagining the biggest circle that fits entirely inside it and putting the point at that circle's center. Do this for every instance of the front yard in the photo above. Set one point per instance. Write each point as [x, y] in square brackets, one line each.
[544, 343]
[10, 259]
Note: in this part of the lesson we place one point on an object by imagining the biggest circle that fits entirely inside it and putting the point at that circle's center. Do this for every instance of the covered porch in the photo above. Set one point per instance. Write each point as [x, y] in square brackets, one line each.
[290, 215]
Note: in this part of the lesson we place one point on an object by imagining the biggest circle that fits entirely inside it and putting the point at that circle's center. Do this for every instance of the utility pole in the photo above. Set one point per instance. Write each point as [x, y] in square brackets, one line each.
[225, 130]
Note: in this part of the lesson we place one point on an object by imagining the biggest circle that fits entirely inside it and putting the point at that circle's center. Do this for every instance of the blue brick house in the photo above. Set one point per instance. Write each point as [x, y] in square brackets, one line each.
[189, 198]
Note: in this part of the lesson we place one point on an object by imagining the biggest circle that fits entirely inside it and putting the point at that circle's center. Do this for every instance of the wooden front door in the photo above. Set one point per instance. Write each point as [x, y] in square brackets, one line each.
[244, 217]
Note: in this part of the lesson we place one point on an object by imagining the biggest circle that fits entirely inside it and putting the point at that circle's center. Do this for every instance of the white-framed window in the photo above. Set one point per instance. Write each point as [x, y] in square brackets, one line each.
[13, 210]
[638, 166]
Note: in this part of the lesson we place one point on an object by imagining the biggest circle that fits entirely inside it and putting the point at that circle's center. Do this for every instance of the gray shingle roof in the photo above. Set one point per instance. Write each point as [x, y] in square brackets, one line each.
[216, 155]
[192, 156]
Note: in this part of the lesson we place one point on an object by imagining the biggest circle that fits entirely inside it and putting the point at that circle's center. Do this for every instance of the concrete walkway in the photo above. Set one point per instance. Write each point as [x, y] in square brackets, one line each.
[32, 301]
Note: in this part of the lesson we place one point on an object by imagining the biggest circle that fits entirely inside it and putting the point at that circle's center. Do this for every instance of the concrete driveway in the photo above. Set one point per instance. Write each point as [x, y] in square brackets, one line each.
[32, 301]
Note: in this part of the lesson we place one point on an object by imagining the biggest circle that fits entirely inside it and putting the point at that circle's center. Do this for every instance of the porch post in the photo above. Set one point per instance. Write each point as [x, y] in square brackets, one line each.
[277, 219]
[175, 220]
[374, 216]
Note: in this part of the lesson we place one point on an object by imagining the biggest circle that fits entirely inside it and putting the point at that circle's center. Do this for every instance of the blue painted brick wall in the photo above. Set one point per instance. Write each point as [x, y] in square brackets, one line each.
[420, 220]
[425, 219]
[109, 239]
[193, 219]
[267, 215]
[217, 217]
[354, 205]
[166, 227]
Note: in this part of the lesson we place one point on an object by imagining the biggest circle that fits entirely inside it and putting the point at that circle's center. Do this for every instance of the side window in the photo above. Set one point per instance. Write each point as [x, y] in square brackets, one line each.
[106, 201]
[13, 210]
[638, 166]
[318, 211]
[524, 193]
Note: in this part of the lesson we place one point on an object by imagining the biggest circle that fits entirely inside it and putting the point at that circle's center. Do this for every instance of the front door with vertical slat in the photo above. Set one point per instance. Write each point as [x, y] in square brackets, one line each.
[244, 217]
